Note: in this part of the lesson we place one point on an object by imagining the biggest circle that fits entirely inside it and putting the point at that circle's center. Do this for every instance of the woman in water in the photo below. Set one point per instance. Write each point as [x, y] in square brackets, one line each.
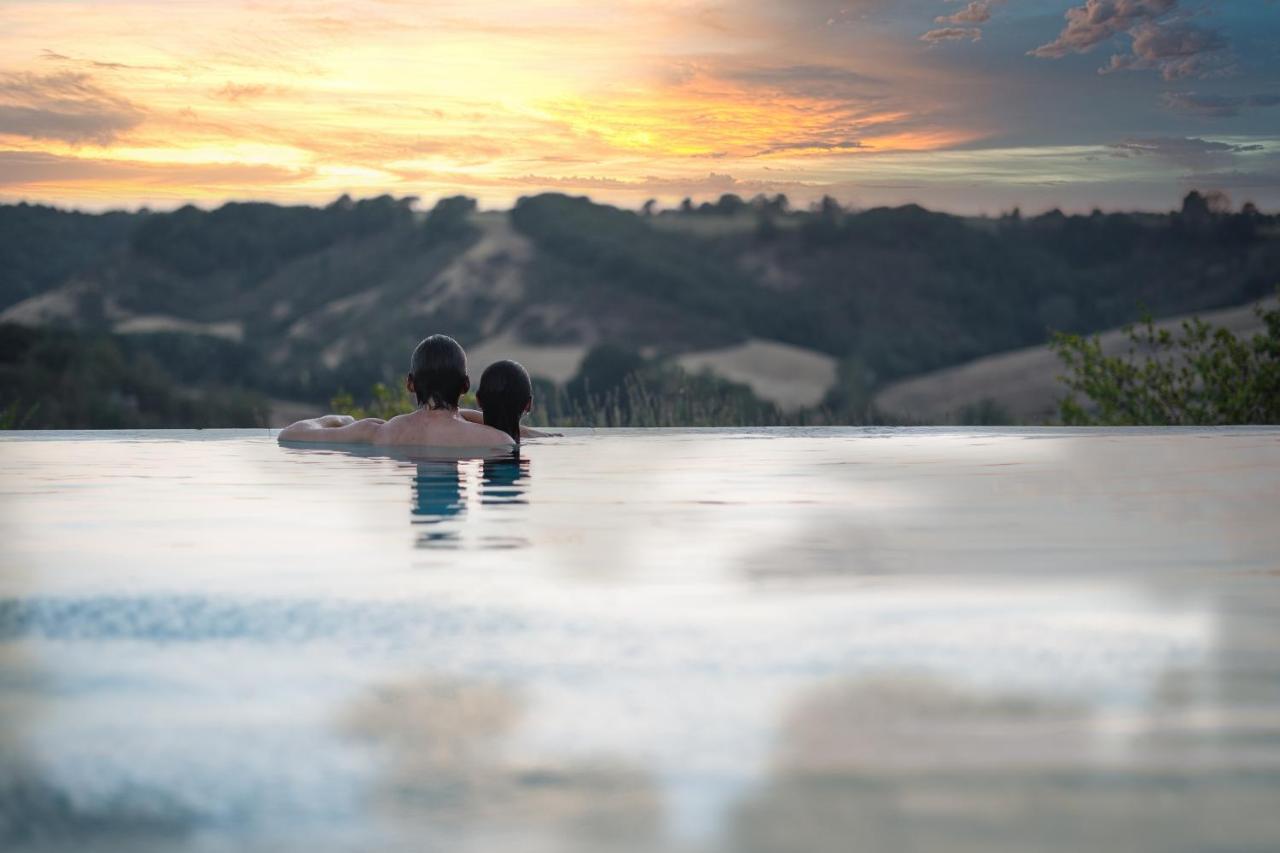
[505, 396]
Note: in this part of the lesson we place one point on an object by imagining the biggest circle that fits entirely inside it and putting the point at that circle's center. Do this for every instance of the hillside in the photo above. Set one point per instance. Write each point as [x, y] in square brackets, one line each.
[805, 308]
[1020, 386]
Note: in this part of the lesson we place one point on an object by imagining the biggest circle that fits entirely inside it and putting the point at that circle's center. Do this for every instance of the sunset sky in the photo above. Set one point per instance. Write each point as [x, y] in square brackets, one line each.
[968, 106]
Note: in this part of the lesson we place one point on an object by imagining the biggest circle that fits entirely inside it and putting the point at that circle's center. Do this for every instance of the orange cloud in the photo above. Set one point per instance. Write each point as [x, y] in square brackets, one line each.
[66, 105]
[745, 112]
[151, 99]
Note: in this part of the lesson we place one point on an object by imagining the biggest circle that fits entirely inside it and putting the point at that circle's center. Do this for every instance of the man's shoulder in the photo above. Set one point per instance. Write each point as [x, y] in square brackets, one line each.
[412, 428]
[400, 420]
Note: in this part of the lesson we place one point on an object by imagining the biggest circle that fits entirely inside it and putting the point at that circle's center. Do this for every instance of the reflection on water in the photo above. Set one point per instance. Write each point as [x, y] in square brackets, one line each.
[504, 481]
[37, 810]
[441, 501]
[705, 642]
[451, 776]
[438, 503]
[504, 487]
[918, 764]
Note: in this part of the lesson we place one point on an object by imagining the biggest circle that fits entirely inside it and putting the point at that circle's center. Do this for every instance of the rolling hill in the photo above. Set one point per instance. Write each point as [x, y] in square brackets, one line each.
[806, 308]
[1021, 386]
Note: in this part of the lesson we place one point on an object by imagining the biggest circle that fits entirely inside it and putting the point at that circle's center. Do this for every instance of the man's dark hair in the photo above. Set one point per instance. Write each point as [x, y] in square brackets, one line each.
[439, 372]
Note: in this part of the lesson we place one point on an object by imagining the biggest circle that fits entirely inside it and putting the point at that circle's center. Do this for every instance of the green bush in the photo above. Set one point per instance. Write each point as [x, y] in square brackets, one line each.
[385, 401]
[60, 379]
[1200, 376]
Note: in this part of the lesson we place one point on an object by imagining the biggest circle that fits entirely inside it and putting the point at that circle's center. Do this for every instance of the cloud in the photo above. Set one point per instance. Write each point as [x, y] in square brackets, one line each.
[798, 22]
[1209, 106]
[62, 58]
[1177, 50]
[814, 145]
[1161, 38]
[952, 34]
[68, 106]
[726, 108]
[810, 80]
[830, 12]
[977, 12]
[963, 24]
[32, 168]
[1188, 152]
[759, 89]
[236, 93]
[1098, 20]
[1233, 180]
[712, 184]
[1216, 106]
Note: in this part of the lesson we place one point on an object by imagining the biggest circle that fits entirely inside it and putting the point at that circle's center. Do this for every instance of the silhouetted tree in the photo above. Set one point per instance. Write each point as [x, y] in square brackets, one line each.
[730, 204]
[450, 219]
[1195, 208]
[829, 208]
[604, 370]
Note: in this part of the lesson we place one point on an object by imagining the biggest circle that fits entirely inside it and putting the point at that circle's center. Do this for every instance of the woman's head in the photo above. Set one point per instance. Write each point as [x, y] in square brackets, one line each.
[504, 395]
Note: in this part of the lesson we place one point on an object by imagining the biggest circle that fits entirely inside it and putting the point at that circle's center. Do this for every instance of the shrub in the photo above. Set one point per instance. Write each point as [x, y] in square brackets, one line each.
[1201, 376]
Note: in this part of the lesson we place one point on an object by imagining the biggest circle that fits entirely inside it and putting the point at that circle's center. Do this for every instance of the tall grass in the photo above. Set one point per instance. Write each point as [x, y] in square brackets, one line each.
[667, 397]
[661, 402]
[18, 415]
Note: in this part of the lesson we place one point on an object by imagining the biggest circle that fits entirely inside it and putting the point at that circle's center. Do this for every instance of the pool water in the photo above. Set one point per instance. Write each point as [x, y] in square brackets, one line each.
[691, 640]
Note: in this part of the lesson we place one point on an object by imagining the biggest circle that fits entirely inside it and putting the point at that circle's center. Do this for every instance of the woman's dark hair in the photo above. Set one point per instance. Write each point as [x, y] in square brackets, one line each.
[439, 371]
[504, 393]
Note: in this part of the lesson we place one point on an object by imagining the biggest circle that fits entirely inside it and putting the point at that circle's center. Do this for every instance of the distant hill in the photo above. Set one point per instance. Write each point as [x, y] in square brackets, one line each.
[1021, 386]
[307, 301]
[57, 377]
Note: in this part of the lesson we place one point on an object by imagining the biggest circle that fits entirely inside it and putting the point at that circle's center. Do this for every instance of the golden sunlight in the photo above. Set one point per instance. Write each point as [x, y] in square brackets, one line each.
[150, 102]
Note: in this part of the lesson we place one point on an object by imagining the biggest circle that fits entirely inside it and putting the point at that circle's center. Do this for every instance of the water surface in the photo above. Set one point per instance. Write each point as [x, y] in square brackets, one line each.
[640, 640]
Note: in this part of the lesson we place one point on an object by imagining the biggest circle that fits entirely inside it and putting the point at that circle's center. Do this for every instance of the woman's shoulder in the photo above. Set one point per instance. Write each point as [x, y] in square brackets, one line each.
[491, 435]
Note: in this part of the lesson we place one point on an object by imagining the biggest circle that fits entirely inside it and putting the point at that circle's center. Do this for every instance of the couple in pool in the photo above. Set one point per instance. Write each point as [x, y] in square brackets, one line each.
[438, 379]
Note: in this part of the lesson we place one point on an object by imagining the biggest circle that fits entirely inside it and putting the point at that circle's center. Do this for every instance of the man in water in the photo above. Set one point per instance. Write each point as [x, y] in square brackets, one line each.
[438, 379]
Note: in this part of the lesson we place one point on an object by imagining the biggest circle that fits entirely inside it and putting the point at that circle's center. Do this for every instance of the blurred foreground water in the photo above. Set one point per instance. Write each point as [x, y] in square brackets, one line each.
[693, 640]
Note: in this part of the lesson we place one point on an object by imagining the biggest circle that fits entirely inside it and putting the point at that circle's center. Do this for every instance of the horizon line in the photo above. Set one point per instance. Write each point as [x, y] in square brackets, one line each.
[417, 206]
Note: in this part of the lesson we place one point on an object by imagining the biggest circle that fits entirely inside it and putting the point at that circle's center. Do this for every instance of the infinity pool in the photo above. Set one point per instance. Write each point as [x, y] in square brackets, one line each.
[690, 640]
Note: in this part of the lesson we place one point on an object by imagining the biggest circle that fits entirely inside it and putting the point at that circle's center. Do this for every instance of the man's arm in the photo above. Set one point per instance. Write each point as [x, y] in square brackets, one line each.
[341, 429]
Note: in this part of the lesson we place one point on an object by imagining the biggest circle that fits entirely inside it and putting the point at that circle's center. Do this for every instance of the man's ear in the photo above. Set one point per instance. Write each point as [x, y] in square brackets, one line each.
[528, 407]
[466, 384]
[408, 383]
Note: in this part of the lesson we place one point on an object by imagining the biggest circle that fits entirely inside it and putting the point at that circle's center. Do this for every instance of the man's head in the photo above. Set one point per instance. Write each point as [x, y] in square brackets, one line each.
[438, 373]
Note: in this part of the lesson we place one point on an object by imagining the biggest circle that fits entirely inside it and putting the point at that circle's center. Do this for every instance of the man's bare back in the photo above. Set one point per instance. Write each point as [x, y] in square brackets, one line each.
[423, 428]
[438, 378]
